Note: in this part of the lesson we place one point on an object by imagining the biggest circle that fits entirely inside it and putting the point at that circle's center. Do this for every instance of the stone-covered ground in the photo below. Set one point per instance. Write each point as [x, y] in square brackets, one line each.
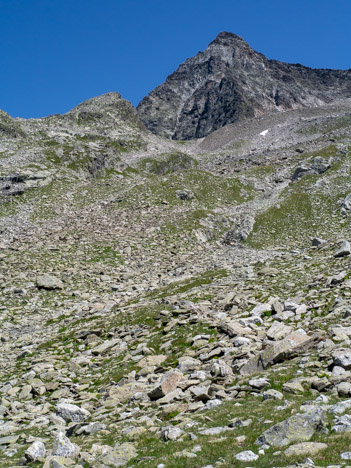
[170, 304]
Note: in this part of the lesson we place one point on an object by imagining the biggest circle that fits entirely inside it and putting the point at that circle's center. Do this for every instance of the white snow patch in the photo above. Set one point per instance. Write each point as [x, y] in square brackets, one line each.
[264, 133]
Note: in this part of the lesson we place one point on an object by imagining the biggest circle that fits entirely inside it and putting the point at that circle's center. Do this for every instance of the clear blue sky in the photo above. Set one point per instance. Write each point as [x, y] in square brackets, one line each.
[57, 53]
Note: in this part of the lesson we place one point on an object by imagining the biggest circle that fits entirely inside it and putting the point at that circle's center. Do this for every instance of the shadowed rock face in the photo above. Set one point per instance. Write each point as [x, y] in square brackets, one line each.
[228, 82]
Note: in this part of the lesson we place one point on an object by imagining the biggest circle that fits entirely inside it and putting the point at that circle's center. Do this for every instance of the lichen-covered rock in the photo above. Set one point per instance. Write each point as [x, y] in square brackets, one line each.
[305, 448]
[297, 428]
[63, 447]
[119, 455]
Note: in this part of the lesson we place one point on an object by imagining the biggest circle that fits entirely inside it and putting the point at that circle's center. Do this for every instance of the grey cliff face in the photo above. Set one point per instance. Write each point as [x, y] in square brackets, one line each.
[229, 82]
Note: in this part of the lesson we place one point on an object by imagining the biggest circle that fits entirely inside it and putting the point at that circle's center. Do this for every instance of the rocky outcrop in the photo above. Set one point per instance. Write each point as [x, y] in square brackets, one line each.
[18, 183]
[229, 82]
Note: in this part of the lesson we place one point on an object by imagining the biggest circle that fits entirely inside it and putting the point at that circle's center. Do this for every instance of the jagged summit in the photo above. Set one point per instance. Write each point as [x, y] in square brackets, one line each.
[228, 82]
[227, 38]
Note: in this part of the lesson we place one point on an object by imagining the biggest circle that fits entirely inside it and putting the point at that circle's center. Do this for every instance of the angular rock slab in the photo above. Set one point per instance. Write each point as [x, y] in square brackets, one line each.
[153, 360]
[49, 282]
[344, 250]
[297, 428]
[291, 346]
[8, 440]
[105, 346]
[233, 329]
[168, 384]
[278, 331]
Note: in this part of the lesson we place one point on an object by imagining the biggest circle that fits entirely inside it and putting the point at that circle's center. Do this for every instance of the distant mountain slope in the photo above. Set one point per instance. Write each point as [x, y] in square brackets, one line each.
[229, 82]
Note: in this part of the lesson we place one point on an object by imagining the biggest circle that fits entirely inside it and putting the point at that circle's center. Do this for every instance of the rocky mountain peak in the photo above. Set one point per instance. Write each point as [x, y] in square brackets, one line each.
[228, 39]
[229, 82]
[230, 50]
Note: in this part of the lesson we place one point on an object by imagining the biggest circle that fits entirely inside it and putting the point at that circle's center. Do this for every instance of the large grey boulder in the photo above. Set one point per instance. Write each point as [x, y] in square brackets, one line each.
[63, 447]
[167, 384]
[318, 166]
[342, 358]
[291, 346]
[297, 428]
[35, 451]
[49, 282]
[71, 412]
